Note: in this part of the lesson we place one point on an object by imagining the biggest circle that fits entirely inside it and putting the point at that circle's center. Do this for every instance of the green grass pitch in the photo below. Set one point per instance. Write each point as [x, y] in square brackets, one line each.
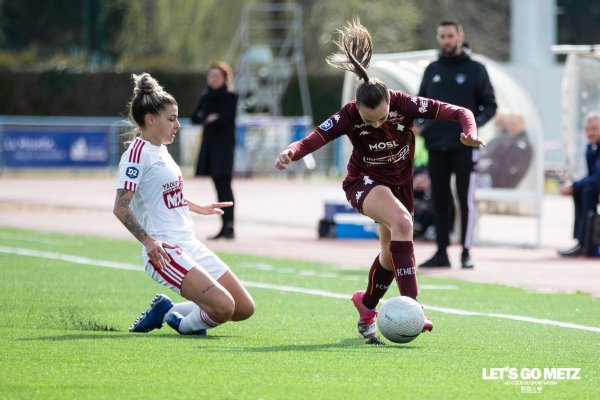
[63, 334]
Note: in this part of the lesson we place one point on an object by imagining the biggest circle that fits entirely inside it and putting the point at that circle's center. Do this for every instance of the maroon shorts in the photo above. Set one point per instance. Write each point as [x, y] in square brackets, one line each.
[357, 189]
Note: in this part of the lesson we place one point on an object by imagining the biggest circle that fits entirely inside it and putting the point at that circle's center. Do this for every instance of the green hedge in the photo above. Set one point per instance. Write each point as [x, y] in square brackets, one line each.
[75, 93]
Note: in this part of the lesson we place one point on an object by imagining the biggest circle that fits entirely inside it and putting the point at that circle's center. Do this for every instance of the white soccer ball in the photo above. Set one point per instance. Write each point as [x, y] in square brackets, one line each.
[400, 319]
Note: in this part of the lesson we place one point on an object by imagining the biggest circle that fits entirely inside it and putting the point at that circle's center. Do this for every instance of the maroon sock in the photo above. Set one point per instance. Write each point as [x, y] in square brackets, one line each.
[379, 282]
[403, 262]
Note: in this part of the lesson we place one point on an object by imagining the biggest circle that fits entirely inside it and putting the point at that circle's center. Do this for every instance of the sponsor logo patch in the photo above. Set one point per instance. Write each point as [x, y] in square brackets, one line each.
[389, 159]
[173, 194]
[383, 146]
[132, 172]
[174, 198]
[423, 106]
[327, 125]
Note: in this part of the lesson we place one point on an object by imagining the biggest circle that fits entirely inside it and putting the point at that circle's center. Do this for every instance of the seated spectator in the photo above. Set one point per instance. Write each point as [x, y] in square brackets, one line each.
[585, 191]
[506, 159]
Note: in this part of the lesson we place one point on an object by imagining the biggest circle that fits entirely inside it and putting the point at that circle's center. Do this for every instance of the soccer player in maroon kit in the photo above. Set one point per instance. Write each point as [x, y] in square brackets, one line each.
[379, 123]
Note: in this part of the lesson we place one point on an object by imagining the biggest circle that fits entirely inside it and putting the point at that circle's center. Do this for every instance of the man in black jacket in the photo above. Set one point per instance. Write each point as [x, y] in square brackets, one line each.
[457, 79]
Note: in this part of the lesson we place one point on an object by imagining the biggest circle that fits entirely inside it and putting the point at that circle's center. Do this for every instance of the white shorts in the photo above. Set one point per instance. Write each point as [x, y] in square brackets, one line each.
[181, 260]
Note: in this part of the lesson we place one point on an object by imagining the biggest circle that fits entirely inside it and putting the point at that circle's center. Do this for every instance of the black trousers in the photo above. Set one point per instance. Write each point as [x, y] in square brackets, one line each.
[225, 193]
[441, 166]
[585, 200]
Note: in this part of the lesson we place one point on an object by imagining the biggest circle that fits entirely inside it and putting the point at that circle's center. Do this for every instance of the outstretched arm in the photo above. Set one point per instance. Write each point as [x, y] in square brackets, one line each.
[299, 149]
[154, 248]
[465, 117]
[211, 209]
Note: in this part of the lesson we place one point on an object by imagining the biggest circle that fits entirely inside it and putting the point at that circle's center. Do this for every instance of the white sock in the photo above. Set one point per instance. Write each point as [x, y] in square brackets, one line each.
[196, 320]
[182, 308]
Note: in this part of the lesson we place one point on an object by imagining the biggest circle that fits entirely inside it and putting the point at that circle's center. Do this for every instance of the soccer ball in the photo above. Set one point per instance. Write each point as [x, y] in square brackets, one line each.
[400, 319]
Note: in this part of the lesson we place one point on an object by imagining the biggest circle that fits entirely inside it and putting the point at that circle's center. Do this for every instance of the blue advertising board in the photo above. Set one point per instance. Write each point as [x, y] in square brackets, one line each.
[55, 146]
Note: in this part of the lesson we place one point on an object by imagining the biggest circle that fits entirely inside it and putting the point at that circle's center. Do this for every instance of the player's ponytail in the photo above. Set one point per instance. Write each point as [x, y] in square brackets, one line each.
[148, 97]
[356, 49]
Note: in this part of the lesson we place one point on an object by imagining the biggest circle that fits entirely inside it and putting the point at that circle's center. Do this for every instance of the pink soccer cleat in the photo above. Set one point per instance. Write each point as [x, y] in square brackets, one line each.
[366, 322]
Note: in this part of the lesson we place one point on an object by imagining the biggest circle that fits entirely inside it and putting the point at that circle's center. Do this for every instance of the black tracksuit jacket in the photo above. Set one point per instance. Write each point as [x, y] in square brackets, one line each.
[457, 80]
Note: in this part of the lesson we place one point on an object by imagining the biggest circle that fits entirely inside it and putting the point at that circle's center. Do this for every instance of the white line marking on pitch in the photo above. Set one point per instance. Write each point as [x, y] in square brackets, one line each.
[70, 258]
[283, 288]
[25, 238]
[326, 275]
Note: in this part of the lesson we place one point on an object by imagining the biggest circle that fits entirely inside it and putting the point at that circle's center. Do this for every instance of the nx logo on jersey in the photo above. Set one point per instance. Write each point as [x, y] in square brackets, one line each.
[174, 199]
[132, 172]
[383, 146]
[173, 194]
[327, 125]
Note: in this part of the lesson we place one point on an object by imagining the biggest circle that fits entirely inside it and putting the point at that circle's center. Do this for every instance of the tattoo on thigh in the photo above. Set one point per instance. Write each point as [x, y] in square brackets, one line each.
[208, 288]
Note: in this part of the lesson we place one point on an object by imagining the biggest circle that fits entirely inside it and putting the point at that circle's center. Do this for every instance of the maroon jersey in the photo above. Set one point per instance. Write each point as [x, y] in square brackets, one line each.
[385, 153]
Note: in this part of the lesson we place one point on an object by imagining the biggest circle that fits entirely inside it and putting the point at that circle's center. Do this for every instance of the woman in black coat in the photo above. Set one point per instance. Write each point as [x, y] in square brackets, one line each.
[216, 111]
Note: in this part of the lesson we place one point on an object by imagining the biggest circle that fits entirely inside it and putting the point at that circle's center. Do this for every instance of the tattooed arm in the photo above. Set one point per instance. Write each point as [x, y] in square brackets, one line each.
[154, 248]
[123, 212]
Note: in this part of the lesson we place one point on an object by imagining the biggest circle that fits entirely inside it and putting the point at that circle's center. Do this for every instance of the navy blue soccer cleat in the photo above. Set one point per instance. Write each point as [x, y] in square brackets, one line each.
[152, 318]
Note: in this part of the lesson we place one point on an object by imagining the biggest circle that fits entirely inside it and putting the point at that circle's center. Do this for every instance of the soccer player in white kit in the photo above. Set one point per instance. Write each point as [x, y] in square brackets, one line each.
[151, 204]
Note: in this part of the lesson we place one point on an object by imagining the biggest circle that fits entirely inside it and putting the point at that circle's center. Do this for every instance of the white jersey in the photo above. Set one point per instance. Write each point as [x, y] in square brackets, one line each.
[158, 202]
